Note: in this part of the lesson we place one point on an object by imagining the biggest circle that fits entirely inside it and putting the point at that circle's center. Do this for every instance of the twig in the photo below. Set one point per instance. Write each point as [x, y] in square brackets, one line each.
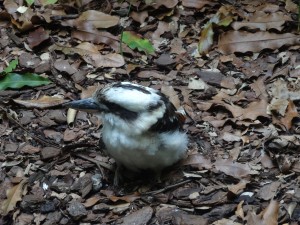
[35, 137]
[98, 163]
[166, 188]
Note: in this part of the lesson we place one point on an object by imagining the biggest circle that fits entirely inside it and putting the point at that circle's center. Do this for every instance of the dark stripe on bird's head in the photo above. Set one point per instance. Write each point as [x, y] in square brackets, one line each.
[131, 87]
[119, 110]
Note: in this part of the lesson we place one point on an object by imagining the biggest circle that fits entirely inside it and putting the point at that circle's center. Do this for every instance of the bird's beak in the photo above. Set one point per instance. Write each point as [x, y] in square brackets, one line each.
[87, 105]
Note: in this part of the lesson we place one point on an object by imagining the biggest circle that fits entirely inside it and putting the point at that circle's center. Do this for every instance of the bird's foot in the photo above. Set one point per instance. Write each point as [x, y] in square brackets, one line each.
[118, 177]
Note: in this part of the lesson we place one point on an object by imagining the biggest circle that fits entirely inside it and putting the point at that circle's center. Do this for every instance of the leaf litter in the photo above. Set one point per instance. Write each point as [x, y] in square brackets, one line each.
[233, 69]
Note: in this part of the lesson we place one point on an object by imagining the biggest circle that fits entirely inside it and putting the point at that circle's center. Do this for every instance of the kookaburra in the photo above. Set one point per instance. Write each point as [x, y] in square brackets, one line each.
[141, 128]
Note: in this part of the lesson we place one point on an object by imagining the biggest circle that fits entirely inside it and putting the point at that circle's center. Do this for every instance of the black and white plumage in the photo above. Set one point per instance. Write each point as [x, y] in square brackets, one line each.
[141, 128]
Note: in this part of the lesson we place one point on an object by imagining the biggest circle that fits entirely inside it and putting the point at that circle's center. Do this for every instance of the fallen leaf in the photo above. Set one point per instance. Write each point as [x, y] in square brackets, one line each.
[14, 195]
[268, 191]
[36, 37]
[91, 20]
[41, 103]
[16, 81]
[139, 16]
[268, 216]
[171, 94]
[91, 201]
[239, 187]
[222, 18]
[97, 37]
[64, 66]
[239, 210]
[290, 114]
[235, 169]
[263, 21]
[198, 4]
[141, 216]
[197, 84]
[90, 54]
[11, 66]
[134, 41]
[126, 198]
[242, 41]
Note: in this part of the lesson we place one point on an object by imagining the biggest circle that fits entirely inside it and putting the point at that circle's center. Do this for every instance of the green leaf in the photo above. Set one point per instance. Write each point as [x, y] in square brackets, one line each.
[29, 2]
[48, 2]
[134, 41]
[12, 65]
[51, 1]
[15, 80]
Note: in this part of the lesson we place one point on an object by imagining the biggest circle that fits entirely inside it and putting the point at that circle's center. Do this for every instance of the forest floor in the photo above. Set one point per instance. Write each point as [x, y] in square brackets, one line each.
[232, 66]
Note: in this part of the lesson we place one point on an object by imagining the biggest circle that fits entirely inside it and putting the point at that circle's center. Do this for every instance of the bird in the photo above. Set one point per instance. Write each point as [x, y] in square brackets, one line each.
[141, 128]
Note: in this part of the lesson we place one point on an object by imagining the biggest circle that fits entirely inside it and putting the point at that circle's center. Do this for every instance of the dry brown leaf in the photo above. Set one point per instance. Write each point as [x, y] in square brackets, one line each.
[162, 27]
[268, 191]
[91, 20]
[239, 210]
[90, 54]
[141, 216]
[64, 66]
[23, 22]
[91, 201]
[41, 103]
[290, 114]
[72, 135]
[14, 195]
[239, 187]
[165, 60]
[198, 4]
[225, 221]
[291, 6]
[176, 46]
[154, 74]
[139, 16]
[167, 3]
[278, 106]
[172, 95]
[108, 60]
[198, 159]
[254, 109]
[281, 89]
[269, 216]
[234, 169]
[10, 6]
[197, 84]
[263, 21]
[126, 198]
[259, 88]
[29, 149]
[229, 137]
[97, 37]
[242, 41]
[36, 37]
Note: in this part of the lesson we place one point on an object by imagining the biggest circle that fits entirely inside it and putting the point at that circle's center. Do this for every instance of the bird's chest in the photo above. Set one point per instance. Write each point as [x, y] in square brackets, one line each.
[128, 149]
[122, 141]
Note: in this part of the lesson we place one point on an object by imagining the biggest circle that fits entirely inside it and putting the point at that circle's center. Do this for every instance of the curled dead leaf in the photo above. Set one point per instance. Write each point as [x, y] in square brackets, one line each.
[71, 114]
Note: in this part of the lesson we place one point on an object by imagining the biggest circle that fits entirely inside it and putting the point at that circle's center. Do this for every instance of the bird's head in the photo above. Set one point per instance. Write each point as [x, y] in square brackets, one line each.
[125, 100]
